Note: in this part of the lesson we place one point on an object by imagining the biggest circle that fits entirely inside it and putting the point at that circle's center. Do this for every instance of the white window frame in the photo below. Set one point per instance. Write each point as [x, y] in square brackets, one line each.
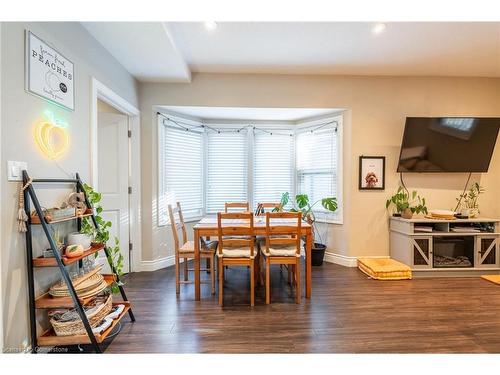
[337, 120]
[233, 126]
[293, 127]
[162, 217]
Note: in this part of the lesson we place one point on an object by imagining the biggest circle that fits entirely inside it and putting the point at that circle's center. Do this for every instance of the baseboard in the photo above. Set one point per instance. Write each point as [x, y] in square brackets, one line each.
[343, 260]
[346, 261]
[154, 265]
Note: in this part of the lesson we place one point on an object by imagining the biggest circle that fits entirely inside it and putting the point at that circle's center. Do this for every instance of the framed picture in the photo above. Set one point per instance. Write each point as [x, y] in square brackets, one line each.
[49, 75]
[371, 172]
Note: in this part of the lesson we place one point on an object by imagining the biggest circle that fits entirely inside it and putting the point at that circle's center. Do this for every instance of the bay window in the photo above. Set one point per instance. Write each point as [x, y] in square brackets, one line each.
[205, 166]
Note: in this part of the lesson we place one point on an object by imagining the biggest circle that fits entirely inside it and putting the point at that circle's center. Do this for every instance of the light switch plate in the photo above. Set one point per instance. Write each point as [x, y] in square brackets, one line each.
[14, 170]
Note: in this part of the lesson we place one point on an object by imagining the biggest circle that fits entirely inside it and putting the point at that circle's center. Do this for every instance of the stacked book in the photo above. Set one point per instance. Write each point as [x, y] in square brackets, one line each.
[423, 228]
[465, 230]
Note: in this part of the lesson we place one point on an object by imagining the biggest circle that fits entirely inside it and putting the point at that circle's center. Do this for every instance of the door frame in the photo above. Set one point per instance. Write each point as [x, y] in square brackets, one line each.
[101, 92]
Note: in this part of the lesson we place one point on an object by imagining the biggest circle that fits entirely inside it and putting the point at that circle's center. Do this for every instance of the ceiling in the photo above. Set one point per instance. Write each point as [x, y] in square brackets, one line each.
[213, 114]
[173, 50]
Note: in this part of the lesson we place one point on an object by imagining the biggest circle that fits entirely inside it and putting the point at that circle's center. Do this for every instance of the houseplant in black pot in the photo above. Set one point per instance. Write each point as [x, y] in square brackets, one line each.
[302, 204]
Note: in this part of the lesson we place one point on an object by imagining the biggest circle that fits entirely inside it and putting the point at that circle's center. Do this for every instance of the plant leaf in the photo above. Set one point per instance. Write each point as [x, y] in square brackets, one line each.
[329, 203]
[302, 200]
[285, 198]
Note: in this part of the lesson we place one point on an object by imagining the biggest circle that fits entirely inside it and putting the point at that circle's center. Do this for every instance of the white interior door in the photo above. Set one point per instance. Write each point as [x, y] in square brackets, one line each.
[113, 179]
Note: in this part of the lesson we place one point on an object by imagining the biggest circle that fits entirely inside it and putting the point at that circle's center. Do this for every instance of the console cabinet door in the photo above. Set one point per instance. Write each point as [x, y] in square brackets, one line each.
[487, 251]
[421, 252]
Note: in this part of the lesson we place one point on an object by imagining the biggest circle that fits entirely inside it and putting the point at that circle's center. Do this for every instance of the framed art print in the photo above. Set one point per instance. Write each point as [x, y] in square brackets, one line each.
[49, 75]
[371, 172]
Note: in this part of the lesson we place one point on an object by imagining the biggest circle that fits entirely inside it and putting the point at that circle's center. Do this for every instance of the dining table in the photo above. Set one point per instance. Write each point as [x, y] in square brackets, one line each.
[207, 227]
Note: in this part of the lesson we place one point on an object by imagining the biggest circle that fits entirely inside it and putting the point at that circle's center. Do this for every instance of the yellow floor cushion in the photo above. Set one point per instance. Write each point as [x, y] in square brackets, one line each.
[493, 278]
[384, 269]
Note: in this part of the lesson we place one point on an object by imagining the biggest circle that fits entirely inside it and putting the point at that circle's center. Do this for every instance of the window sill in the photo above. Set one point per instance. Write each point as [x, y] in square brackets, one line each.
[330, 221]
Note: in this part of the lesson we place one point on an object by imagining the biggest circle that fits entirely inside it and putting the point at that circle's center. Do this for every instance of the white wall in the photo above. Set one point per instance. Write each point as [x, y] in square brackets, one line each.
[373, 125]
[20, 113]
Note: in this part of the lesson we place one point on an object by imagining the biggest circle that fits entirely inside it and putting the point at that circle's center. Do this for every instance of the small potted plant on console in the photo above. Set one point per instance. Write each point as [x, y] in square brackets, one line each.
[468, 201]
[406, 206]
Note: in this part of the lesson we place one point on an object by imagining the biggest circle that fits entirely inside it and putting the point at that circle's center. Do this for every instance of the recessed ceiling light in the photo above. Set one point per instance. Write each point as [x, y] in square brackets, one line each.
[378, 28]
[210, 25]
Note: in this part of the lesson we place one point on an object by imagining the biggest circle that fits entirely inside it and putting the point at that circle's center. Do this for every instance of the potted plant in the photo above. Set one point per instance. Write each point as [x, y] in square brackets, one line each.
[468, 201]
[406, 206]
[101, 234]
[301, 204]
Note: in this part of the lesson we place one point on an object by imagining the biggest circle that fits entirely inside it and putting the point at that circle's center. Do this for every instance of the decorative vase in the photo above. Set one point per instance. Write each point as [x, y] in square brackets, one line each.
[474, 212]
[407, 214]
[77, 238]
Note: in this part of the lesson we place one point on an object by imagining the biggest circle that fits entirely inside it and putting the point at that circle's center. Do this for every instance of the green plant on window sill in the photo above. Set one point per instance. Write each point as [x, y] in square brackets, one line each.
[101, 234]
[406, 206]
[302, 204]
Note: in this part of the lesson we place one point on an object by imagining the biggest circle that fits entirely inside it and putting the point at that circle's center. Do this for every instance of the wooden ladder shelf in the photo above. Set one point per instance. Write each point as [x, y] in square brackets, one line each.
[45, 301]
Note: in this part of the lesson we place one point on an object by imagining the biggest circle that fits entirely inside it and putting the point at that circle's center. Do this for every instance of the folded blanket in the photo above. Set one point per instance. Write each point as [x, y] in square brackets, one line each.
[384, 269]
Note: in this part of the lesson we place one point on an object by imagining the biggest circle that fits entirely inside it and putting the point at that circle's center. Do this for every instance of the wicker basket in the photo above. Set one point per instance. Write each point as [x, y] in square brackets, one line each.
[75, 327]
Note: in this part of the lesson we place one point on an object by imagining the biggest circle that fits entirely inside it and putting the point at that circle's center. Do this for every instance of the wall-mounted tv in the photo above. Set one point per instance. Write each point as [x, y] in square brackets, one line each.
[448, 144]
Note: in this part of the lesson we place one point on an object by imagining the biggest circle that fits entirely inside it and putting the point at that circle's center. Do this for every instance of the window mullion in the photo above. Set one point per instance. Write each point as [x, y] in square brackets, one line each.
[250, 171]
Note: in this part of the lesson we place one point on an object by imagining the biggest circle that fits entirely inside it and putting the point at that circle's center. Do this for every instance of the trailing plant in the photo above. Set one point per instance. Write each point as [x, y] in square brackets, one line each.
[101, 234]
[469, 199]
[401, 201]
[301, 204]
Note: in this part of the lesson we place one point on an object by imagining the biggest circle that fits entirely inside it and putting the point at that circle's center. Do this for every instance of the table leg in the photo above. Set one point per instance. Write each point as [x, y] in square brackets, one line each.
[196, 265]
[308, 264]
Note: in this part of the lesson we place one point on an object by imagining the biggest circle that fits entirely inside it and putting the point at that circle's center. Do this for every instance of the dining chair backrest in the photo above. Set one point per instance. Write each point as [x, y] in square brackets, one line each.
[235, 230]
[263, 207]
[236, 206]
[177, 223]
[279, 227]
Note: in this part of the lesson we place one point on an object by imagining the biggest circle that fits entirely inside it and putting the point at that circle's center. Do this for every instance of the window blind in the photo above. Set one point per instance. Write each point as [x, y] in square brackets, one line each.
[272, 167]
[226, 169]
[181, 172]
[317, 165]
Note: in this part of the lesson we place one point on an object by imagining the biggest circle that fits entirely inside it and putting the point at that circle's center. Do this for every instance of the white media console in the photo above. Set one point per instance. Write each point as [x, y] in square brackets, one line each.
[437, 248]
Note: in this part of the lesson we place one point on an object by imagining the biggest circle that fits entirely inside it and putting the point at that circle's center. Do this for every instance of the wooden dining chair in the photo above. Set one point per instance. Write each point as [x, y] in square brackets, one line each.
[263, 207]
[236, 206]
[236, 247]
[186, 250]
[281, 248]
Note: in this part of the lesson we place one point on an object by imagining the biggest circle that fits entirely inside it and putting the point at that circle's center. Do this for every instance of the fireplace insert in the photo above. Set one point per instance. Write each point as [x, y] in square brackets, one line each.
[453, 252]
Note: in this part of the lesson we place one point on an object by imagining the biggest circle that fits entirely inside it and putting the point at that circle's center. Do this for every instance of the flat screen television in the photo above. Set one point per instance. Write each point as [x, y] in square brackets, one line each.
[448, 144]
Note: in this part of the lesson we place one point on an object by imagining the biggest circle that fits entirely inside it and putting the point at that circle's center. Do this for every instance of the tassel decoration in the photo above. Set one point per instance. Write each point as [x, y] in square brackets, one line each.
[22, 217]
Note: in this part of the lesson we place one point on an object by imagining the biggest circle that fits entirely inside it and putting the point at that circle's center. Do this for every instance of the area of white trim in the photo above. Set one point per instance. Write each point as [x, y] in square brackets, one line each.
[154, 265]
[347, 261]
[1, 163]
[182, 60]
[104, 93]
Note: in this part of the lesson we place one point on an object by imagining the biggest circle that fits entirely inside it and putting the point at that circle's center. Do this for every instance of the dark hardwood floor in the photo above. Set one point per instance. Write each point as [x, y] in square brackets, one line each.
[348, 313]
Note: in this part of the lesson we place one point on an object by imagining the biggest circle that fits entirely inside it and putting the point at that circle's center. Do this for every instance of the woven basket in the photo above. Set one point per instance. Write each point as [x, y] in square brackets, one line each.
[86, 285]
[75, 327]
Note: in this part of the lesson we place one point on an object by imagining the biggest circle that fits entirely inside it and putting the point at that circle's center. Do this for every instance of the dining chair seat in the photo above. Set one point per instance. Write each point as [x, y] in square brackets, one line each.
[208, 247]
[236, 252]
[281, 251]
